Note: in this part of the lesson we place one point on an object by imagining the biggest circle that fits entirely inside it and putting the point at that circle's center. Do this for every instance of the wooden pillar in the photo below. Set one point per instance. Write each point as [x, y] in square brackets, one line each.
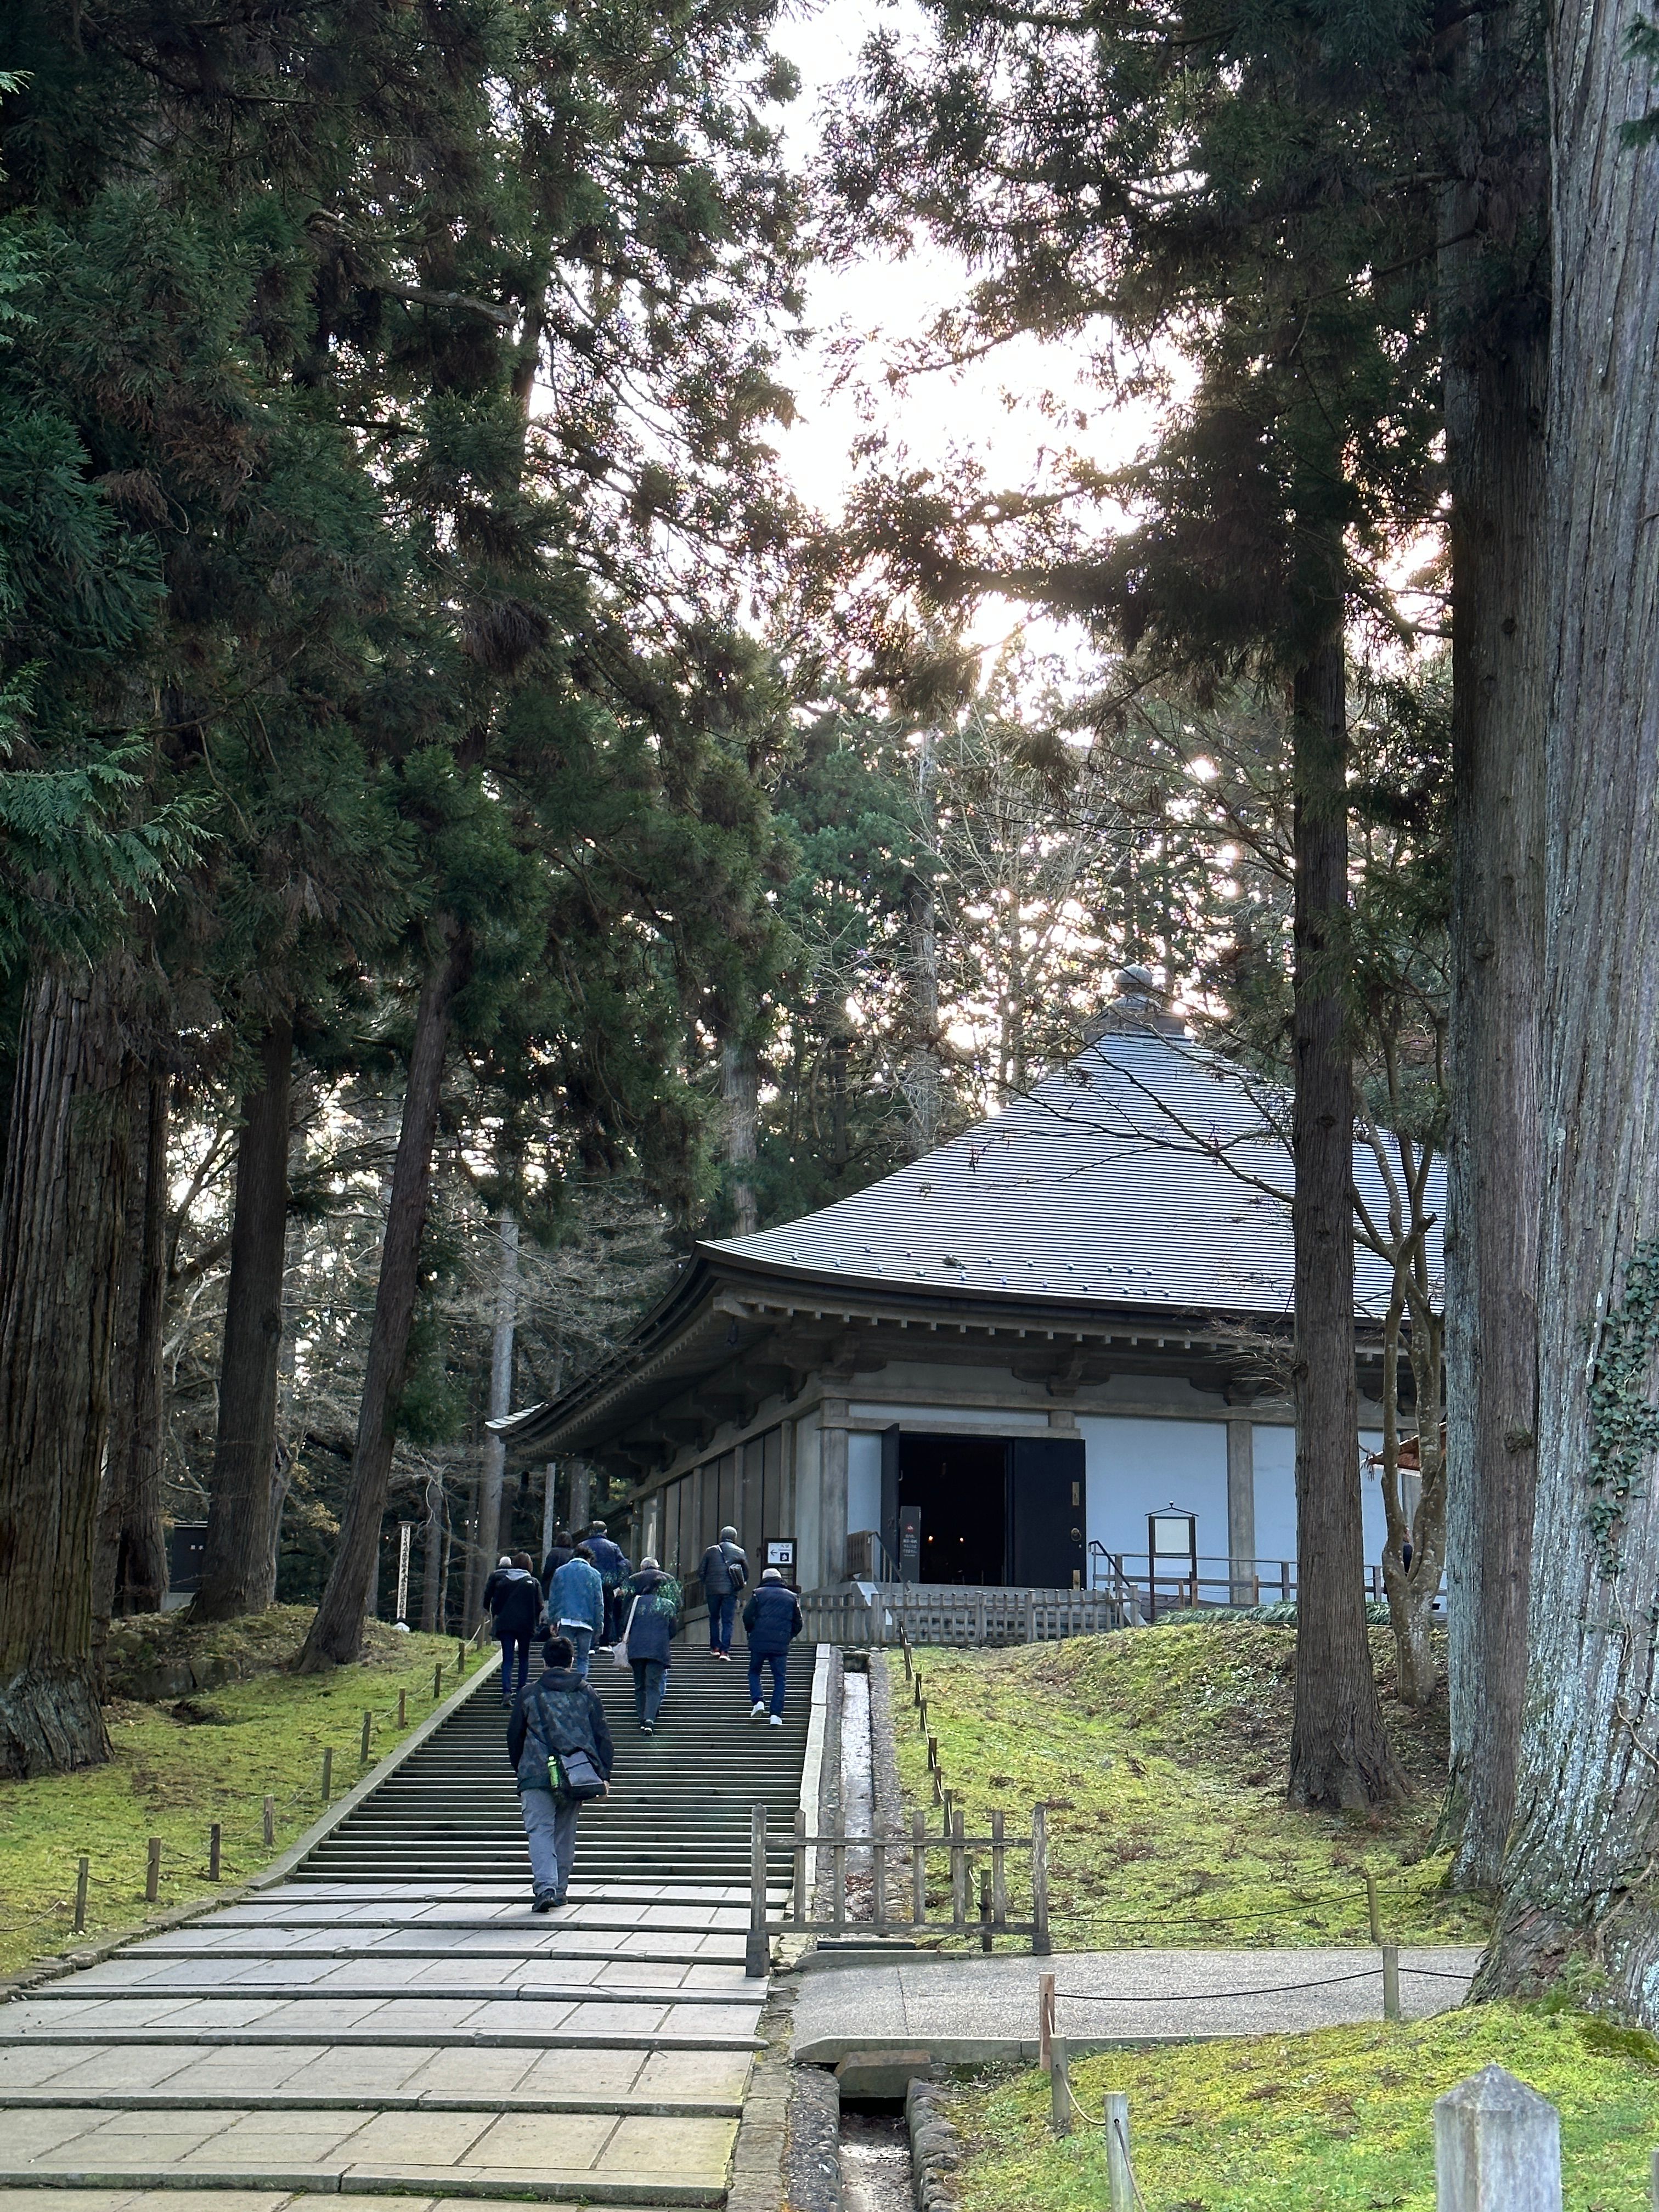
[832, 1491]
[581, 1479]
[1241, 1511]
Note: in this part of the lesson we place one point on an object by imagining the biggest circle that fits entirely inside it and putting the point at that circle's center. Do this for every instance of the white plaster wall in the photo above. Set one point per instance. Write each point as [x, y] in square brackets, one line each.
[863, 1481]
[1137, 1467]
[1275, 1495]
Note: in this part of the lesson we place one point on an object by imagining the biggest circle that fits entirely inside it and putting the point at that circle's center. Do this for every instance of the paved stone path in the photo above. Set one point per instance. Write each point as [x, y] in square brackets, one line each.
[430, 2039]
[965, 2007]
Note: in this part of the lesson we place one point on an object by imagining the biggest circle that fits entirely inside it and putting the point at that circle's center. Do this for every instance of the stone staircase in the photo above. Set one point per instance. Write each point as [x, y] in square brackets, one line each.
[392, 2019]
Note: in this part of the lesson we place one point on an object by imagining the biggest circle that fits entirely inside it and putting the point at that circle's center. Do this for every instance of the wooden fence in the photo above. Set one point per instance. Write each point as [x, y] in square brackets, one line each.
[978, 1872]
[945, 1613]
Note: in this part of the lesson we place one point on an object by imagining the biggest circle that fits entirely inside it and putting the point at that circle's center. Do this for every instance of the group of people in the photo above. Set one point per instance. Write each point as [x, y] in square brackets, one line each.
[587, 1598]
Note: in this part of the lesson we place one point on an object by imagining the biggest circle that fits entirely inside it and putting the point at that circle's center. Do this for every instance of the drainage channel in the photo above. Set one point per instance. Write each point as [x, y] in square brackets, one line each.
[875, 2160]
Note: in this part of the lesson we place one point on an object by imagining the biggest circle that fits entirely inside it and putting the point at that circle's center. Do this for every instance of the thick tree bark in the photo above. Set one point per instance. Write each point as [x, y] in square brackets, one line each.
[1340, 1754]
[1578, 1871]
[237, 1561]
[68, 1153]
[337, 1632]
[501, 1388]
[921, 1077]
[740, 1105]
[1493, 318]
[130, 1571]
[432, 1577]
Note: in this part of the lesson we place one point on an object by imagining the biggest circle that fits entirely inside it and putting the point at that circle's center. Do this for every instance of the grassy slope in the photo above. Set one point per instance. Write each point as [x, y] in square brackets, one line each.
[1336, 2119]
[172, 1776]
[1161, 1755]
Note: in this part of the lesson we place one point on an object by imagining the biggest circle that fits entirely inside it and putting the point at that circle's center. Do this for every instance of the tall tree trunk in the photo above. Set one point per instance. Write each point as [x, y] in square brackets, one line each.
[501, 1387]
[922, 1081]
[432, 1574]
[67, 1151]
[130, 1574]
[1493, 316]
[236, 1562]
[1340, 1754]
[740, 1101]
[1577, 1871]
[337, 1632]
[285, 1458]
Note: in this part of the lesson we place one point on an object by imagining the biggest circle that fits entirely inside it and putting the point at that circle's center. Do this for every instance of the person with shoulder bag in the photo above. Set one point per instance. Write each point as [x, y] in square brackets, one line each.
[561, 1751]
[723, 1573]
[652, 1600]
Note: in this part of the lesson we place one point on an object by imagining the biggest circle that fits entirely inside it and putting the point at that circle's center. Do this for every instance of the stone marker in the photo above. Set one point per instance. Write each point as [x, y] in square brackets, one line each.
[1497, 2146]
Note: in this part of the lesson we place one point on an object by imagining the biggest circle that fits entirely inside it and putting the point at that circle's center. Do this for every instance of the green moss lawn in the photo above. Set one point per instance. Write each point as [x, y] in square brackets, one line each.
[1160, 1753]
[1322, 2122]
[214, 1755]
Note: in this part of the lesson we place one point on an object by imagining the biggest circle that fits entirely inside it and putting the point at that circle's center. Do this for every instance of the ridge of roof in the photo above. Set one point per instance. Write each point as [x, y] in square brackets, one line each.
[1151, 1170]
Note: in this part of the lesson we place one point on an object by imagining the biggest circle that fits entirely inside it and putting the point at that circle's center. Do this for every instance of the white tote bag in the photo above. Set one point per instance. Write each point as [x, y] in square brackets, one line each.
[619, 1649]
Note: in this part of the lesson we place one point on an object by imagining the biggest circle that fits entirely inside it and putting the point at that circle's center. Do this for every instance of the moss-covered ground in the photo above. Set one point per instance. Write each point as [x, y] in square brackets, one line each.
[214, 1755]
[1320, 2123]
[1161, 1755]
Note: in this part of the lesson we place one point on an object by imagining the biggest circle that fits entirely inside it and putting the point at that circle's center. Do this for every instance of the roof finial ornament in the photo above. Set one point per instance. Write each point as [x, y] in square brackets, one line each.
[1137, 1003]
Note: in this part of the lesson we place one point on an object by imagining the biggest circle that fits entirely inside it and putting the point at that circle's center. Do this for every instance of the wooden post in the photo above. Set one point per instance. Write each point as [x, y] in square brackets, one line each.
[1120, 2173]
[932, 1754]
[437, 1681]
[214, 1838]
[1370, 1900]
[1045, 2018]
[1391, 1981]
[939, 1790]
[82, 1869]
[153, 1871]
[362, 1748]
[271, 1823]
[1040, 1943]
[402, 1709]
[904, 1645]
[998, 1870]
[879, 1864]
[918, 1869]
[1060, 2087]
[838, 1865]
[958, 1875]
[915, 1684]
[757, 1953]
[985, 1922]
[460, 1658]
[944, 1823]
[798, 1902]
[1497, 2146]
[328, 1774]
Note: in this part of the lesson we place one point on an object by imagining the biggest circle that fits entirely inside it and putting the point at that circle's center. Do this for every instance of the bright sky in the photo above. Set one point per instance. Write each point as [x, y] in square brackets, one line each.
[884, 301]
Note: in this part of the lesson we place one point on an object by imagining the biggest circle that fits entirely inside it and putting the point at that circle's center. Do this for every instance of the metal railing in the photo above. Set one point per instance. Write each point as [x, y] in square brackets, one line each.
[975, 1863]
[1155, 1584]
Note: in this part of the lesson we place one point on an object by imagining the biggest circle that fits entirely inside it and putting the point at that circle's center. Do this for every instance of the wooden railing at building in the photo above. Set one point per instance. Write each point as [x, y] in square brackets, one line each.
[960, 1613]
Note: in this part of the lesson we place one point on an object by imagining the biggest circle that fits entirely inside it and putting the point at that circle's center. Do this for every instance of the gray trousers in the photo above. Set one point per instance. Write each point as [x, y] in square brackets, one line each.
[550, 1828]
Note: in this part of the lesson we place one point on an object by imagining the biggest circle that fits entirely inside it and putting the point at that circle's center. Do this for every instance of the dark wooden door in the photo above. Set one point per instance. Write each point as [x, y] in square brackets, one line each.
[885, 1568]
[1047, 1499]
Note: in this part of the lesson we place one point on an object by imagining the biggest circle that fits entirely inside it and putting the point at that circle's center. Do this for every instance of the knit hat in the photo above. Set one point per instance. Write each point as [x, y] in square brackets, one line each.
[771, 1575]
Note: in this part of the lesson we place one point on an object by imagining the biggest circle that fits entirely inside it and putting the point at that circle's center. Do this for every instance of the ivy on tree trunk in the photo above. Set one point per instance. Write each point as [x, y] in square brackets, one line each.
[1578, 1870]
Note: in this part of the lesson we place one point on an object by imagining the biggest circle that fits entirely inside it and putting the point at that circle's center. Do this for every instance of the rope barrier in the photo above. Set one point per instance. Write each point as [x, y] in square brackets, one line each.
[1214, 1996]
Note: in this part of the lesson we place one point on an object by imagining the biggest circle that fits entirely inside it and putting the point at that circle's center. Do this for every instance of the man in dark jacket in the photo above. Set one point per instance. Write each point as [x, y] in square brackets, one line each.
[612, 1563]
[724, 1572]
[648, 1612]
[554, 1716]
[563, 1550]
[515, 1598]
[773, 1619]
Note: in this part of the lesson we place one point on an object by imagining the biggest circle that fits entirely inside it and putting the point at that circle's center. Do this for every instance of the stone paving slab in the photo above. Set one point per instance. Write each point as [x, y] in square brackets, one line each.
[1113, 1996]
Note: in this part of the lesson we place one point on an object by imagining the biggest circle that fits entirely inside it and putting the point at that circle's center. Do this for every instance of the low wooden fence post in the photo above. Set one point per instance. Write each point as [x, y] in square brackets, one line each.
[328, 1773]
[1040, 1943]
[153, 1871]
[1120, 2173]
[798, 1902]
[918, 1869]
[362, 1748]
[1497, 2146]
[1059, 2086]
[215, 1845]
[82, 1869]
[757, 1953]
[269, 1826]
[1045, 2020]
[1390, 1981]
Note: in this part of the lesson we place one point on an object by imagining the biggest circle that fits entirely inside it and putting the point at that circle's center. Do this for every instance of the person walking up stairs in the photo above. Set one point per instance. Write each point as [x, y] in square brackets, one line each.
[772, 1619]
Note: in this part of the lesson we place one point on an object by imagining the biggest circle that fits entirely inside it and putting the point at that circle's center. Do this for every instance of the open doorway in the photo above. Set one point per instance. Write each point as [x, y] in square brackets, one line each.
[960, 1486]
